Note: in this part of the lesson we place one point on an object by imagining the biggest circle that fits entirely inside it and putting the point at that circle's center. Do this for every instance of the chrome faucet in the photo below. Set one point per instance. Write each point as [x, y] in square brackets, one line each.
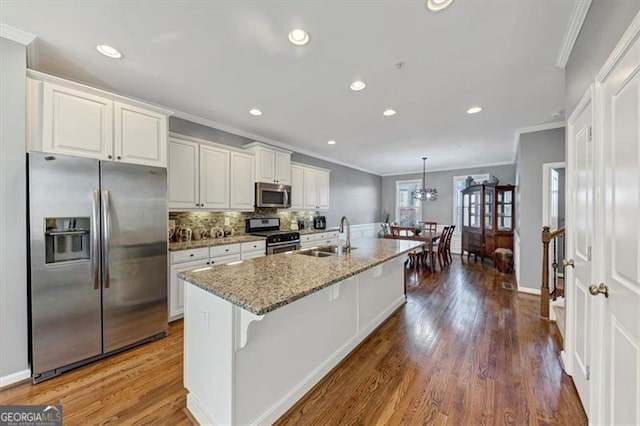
[347, 245]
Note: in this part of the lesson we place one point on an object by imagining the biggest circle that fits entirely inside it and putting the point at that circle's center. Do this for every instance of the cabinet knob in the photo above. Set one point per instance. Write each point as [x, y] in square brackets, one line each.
[191, 255]
[119, 158]
[109, 156]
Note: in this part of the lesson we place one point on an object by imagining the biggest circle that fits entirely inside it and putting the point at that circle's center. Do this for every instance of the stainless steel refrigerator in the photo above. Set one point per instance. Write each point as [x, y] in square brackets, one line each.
[98, 259]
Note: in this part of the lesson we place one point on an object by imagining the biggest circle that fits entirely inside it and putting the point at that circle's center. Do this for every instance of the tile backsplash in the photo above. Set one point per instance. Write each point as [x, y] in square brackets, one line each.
[237, 219]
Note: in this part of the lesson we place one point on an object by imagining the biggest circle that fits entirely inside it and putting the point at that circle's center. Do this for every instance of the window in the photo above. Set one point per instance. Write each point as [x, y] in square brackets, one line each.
[408, 209]
[459, 183]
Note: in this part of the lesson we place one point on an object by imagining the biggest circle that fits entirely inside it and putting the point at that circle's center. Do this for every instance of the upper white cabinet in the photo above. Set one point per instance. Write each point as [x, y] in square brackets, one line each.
[69, 118]
[297, 187]
[140, 135]
[204, 175]
[242, 181]
[272, 165]
[310, 187]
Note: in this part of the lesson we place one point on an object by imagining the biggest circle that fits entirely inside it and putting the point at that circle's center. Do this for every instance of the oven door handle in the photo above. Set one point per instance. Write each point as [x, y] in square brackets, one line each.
[285, 243]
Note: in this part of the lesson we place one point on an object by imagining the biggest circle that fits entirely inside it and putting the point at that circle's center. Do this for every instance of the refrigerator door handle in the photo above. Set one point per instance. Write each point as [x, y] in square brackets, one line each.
[106, 223]
[95, 256]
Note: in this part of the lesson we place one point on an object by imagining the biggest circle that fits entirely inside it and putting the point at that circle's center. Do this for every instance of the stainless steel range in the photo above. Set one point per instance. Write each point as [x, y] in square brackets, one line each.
[277, 241]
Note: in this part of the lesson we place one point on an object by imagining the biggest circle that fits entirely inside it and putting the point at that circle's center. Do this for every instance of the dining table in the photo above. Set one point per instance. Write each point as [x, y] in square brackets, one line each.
[427, 237]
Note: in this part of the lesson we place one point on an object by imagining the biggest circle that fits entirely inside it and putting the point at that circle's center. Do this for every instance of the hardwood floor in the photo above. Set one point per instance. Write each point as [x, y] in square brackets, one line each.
[463, 350]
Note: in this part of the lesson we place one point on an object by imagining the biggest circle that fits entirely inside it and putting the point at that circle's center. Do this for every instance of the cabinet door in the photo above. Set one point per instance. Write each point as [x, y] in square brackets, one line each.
[323, 189]
[266, 162]
[310, 189]
[140, 136]
[297, 187]
[183, 174]
[176, 287]
[242, 181]
[283, 168]
[76, 123]
[214, 177]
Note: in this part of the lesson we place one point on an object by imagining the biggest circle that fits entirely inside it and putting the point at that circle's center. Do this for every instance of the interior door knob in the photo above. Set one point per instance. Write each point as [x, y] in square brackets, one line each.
[568, 262]
[599, 289]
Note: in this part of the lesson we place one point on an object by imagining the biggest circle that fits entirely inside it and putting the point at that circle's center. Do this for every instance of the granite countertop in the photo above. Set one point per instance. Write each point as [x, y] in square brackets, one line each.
[267, 283]
[208, 242]
[316, 231]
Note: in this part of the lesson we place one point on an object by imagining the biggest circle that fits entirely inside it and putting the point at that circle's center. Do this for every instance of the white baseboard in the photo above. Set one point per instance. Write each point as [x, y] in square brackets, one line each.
[288, 401]
[14, 378]
[563, 361]
[528, 290]
[198, 413]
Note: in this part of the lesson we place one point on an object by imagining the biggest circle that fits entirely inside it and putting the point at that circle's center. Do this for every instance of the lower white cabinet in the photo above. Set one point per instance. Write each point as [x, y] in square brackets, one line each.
[188, 260]
[330, 238]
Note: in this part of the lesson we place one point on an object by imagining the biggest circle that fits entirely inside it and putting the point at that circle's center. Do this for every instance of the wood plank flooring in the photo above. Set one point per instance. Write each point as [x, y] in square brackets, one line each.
[463, 350]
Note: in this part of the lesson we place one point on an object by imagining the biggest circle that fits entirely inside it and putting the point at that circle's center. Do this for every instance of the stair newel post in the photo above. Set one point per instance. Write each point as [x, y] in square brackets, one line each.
[544, 299]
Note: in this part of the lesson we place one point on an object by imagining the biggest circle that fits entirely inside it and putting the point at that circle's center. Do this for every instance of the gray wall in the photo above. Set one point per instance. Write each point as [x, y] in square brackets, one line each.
[534, 150]
[13, 263]
[354, 194]
[441, 210]
[605, 23]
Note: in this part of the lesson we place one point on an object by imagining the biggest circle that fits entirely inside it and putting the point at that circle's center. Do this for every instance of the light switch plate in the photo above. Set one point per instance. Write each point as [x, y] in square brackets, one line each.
[227, 221]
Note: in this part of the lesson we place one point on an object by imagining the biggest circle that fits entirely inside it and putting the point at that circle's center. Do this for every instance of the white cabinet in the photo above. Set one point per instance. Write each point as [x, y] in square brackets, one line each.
[272, 165]
[316, 189]
[209, 176]
[214, 177]
[253, 249]
[242, 181]
[330, 238]
[183, 172]
[297, 187]
[72, 119]
[184, 260]
[140, 135]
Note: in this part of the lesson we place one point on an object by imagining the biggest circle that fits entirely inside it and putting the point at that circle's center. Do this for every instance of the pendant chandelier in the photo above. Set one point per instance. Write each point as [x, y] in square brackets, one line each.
[424, 193]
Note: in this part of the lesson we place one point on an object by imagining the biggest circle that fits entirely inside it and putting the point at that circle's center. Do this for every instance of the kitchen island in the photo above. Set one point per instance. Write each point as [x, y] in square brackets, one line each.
[261, 333]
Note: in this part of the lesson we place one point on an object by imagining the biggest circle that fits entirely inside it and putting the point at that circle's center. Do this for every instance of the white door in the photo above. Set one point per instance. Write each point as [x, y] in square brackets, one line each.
[76, 123]
[297, 187]
[140, 136]
[266, 159]
[176, 286]
[242, 181]
[619, 254]
[183, 174]
[214, 177]
[580, 167]
[283, 168]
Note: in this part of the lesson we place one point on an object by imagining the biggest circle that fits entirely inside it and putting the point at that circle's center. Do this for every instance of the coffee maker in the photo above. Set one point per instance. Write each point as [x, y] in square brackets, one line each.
[319, 222]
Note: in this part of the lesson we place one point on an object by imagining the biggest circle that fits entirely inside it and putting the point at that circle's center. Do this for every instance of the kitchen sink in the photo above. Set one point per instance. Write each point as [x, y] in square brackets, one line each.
[332, 249]
[313, 253]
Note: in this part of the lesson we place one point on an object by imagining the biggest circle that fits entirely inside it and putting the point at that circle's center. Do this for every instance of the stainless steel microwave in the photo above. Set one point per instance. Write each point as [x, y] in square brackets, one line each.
[273, 195]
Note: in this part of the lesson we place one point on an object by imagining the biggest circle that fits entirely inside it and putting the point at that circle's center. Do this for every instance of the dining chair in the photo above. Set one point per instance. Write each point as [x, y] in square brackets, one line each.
[430, 226]
[452, 228]
[441, 250]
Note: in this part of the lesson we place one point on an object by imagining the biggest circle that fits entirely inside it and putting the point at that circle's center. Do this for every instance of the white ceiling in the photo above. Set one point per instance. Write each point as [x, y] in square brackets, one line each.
[216, 60]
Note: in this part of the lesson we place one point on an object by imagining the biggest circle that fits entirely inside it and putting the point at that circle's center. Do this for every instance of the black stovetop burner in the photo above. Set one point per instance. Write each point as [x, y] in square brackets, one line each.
[270, 227]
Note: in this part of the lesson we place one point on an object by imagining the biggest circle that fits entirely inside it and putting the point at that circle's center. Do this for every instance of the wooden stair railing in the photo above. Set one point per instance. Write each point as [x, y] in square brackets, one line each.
[547, 237]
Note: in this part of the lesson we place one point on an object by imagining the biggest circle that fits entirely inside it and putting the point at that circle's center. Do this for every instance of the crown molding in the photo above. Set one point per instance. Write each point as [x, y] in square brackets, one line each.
[446, 169]
[531, 129]
[576, 20]
[625, 42]
[16, 35]
[268, 141]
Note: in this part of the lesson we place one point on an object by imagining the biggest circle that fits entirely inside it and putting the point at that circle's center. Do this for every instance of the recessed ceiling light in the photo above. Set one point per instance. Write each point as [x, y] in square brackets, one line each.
[389, 112]
[109, 51]
[474, 110]
[358, 85]
[299, 37]
[438, 5]
[255, 111]
[331, 142]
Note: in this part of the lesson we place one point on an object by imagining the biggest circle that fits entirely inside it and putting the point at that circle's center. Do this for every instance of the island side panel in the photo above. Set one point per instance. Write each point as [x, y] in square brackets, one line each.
[380, 292]
[208, 356]
[291, 349]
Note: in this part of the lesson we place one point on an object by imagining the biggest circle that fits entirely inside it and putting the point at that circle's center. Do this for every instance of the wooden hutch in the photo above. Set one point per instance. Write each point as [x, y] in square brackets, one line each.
[488, 218]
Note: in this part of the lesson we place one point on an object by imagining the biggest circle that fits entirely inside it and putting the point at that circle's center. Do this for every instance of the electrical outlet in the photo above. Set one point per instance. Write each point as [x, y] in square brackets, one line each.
[205, 319]
[227, 221]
